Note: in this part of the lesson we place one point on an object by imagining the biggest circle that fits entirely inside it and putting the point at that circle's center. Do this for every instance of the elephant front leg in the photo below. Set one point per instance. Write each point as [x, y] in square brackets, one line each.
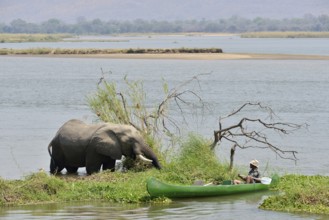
[93, 165]
[109, 165]
[93, 168]
[94, 162]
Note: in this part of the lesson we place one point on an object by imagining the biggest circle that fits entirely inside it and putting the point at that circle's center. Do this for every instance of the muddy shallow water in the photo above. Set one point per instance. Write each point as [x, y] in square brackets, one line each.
[228, 207]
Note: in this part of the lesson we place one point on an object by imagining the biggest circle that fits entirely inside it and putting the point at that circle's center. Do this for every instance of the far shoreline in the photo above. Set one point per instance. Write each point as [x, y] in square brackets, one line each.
[184, 56]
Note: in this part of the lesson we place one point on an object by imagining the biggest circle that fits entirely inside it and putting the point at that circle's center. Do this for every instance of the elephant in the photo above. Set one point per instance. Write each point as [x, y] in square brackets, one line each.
[77, 144]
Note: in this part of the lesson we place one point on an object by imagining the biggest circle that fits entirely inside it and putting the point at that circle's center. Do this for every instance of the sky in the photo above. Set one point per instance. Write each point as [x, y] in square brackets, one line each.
[69, 11]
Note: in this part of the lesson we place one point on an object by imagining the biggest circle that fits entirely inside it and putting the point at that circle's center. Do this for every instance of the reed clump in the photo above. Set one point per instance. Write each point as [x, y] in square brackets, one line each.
[62, 51]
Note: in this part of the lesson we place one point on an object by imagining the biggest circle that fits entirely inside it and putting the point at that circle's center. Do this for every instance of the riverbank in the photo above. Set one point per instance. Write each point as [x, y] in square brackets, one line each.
[298, 193]
[21, 38]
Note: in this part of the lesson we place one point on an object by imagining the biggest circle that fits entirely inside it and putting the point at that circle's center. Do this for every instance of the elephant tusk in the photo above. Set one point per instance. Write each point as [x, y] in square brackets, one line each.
[144, 158]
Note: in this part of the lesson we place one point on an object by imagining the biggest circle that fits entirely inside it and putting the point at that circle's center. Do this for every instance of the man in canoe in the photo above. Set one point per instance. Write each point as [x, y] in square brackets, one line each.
[253, 175]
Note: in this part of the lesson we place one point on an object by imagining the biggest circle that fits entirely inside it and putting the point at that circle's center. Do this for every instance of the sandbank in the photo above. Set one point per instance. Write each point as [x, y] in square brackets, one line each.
[191, 56]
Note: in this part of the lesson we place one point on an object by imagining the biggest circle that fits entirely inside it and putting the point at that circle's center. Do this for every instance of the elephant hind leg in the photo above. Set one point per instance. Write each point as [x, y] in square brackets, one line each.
[55, 168]
[109, 165]
[71, 169]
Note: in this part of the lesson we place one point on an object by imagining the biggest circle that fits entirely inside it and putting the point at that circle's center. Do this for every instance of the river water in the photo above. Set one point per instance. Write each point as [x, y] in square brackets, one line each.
[38, 94]
[229, 44]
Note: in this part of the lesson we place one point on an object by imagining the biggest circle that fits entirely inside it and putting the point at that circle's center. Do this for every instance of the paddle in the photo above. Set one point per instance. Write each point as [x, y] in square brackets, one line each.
[265, 180]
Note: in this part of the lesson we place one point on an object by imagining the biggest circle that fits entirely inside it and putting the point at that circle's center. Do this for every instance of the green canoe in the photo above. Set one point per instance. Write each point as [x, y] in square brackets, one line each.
[157, 188]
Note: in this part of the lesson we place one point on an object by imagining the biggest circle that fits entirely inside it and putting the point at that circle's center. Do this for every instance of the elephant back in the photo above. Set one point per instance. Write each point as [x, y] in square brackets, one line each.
[76, 132]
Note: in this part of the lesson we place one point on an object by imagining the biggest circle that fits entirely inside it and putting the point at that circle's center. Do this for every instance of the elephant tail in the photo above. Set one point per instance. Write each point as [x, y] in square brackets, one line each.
[49, 149]
[53, 167]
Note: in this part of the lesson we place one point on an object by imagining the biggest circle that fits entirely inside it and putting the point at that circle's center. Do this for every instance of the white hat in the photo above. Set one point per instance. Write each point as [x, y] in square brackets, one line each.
[254, 163]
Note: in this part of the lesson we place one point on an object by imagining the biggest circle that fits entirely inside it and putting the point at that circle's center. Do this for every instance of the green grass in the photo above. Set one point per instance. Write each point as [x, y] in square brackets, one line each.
[195, 162]
[288, 34]
[300, 193]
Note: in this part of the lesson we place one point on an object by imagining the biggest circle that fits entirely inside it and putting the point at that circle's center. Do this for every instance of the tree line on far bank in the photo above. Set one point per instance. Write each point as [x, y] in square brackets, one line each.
[234, 24]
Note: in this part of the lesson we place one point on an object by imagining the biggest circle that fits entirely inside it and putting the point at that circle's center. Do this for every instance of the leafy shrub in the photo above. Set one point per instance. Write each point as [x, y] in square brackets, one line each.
[196, 161]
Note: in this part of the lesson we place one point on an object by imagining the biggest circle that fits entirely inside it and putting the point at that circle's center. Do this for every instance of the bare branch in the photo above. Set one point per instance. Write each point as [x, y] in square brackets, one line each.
[258, 104]
[102, 78]
[177, 96]
[123, 103]
[241, 137]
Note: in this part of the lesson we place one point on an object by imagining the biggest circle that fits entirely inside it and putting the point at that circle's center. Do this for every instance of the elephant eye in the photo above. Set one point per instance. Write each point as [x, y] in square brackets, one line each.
[132, 141]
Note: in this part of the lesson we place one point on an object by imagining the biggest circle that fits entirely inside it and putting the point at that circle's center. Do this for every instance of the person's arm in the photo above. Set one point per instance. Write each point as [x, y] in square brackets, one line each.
[257, 180]
[242, 177]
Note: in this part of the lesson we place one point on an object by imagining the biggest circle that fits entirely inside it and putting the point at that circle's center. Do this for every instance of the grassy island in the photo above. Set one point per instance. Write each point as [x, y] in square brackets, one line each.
[20, 38]
[300, 193]
[59, 51]
[283, 34]
[140, 53]
[119, 187]
[297, 193]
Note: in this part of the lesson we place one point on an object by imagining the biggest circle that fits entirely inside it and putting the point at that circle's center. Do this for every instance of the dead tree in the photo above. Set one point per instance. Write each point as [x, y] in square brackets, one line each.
[162, 120]
[160, 123]
[241, 136]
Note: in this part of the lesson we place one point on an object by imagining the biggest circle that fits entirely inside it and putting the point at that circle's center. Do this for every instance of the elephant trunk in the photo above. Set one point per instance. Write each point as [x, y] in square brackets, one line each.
[156, 164]
[150, 155]
[146, 154]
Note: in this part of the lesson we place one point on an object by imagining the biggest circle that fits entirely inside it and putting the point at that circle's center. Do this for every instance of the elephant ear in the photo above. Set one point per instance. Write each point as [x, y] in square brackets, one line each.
[107, 143]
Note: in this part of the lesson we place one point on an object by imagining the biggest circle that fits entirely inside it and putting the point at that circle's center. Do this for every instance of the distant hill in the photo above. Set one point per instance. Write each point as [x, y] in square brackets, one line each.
[70, 10]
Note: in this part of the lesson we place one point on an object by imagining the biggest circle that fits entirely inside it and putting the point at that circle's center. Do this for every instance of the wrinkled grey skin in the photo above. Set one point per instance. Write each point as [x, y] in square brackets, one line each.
[77, 144]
